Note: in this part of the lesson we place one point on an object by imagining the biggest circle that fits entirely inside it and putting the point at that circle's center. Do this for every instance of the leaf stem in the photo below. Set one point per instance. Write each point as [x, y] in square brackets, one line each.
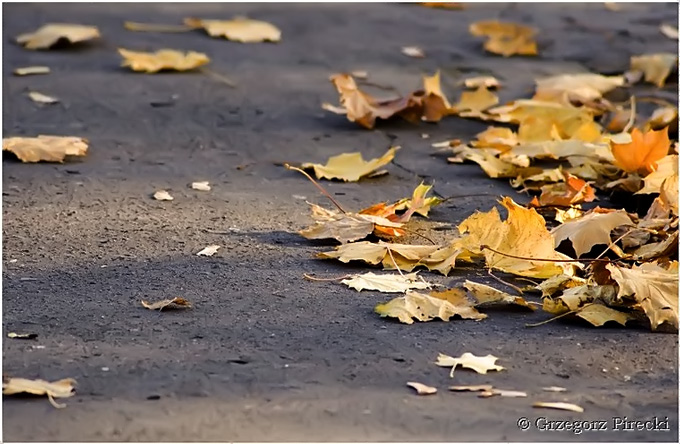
[316, 184]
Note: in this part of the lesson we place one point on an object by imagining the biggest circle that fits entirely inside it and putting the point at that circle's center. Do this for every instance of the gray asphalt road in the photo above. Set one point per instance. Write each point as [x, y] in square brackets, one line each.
[265, 354]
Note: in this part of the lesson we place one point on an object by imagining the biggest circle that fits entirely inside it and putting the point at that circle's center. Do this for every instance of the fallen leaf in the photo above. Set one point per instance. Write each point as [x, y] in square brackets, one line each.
[470, 388]
[42, 98]
[482, 82]
[208, 251]
[558, 406]
[662, 117]
[558, 283]
[486, 295]
[418, 203]
[585, 86]
[422, 389]
[554, 388]
[435, 105]
[598, 315]
[63, 388]
[48, 35]
[575, 298]
[475, 101]
[502, 139]
[658, 249]
[642, 153]
[348, 227]
[656, 67]
[502, 393]
[350, 167]
[653, 287]
[413, 51]
[45, 148]
[444, 5]
[666, 167]
[612, 6]
[201, 186]
[164, 59]
[13, 335]
[480, 364]
[493, 166]
[669, 31]
[506, 39]
[572, 191]
[167, 303]
[31, 70]
[387, 283]
[424, 307]
[162, 195]
[238, 29]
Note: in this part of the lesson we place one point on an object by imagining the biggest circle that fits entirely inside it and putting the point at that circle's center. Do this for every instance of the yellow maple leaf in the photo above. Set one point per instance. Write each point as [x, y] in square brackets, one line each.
[435, 103]
[586, 86]
[48, 35]
[386, 283]
[487, 295]
[348, 227]
[480, 364]
[426, 307]
[506, 39]
[238, 29]
[418, 203]
[164, 59]
[642, 153]
[350, 167]
[522, 235]
[655, 67]
[45, 148]
[590, 230]
[666, 167]
[472, 103]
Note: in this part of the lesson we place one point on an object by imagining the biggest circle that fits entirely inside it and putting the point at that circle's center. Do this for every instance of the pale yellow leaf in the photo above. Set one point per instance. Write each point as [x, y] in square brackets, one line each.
[554, 388]
[167, 303]
[63, 388]
[590, 230]
[480, 364]
[42, 98]
[502, 393]
[559, 406]
[164, 59]
[656, 67]
[51, 33]
[557, 283]
[486, 295]
[209, 250]
[482, 81]
[470, 388]
[506, 39]
[422, 389]
[478, 100]
[665, 168]
[350, 167]
[585, 86]
[424, 307]
[31, 70]
[598, 315]
[669, 31]
[387, 283]
[239, 29]
[45, 148]
[413, 51]
[162, 195]
[201, 186]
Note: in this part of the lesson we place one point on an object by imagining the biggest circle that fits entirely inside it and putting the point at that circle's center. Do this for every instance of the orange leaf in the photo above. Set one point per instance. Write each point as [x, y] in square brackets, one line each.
[573, 191]
[642, 152]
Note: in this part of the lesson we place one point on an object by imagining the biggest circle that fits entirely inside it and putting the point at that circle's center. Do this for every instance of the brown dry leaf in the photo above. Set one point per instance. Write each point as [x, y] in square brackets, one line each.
[42, 98]
[486, 295]
[210, 250]
[522, 234]
[656, 67]
[470, 388]
[31, 70]
[572, 191]
[482, 82]
[63, 388]
[413, 51]
[654, 288]
[167, 304]
[201, 186]
[162, 195]
[655, 250]
[238, 29]
[666, 167]
[480, 364]
[45, 148]
[472, 103]
[575, 298]
[434, 102]
[164, 59]
[669, 31]
[350, 167]
[422, 389]
[598, 315]
[559, 406]
[642, 153]
[426, 307]
[348, 227]
[506, 39]
[387, 283]
[585, 86]
[502, 393]
[48, 35]
[444, 5]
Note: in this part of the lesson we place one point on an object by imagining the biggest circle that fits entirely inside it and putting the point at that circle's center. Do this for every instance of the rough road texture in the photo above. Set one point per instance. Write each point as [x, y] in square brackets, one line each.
[265, 354]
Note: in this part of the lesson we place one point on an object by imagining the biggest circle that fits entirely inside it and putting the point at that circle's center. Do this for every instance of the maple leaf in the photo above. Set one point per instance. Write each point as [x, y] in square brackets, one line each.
[426, 307]
[167, 303]
[654, 288]
[435, 103]
[486, 295]
[589, 230]
[585, 86]
[557, 283]
[350, 167]
[666, 167]
[418, 203]
[572, 191]
[164, 59]
[480, 364]
[472, 103]
[655, 67]
[238, 29]
[598, 315]
[493, 166]
[48, 35]
[422, 389]
[387, 283]
[522, 234]
[502, 139]
[63, 388]
[642, 153]
[575, 298]
[347, 227]
[506, 39]
[45, 148]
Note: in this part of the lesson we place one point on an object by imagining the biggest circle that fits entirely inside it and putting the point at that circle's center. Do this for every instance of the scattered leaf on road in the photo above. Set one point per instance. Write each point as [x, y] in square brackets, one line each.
[480, 364]
[387, 283]
[63, 388]
[31, 70]
[470, 388]
[506, 39]
[201, 186]
[209, 250]
[422, 389]
[162, 195]
[167, 303]
[655, 67]
[348, 227]
[585, 86]
[13, 335]
[42, 98]
[238, 29]
[559, 406]
[350, 167]
[48, 35]
[554, 388]
[164, 59]
[669, 31]
[502, 393]
[45, 148]
[426, 307]
[413, 51]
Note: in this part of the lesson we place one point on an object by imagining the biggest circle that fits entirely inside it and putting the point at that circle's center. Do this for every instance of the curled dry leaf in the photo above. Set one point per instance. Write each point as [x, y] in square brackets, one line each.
[42, 98]
[486, 295]
[31, 70]
[656, 67]
[575, 298]
[585, 86]
[570, 192]
[662, 117]
[350, 167]
[480, 364]
[208, 251]
[644, 150]
[426, 307]
[558, 283]
[238, 29]
[502, 393]
[201, 186]
[472, 103]
[162, 195]
[558, 406]
[48, 35]
[167, 304]
[413, 51]
[506, 39]
[418, 203]
[592, 229]
[45, 148]
[63, 388]
[669, 31]
[435, 105]
[422, 389]
[348, 227]
[598, 315]
[387, 283]
[470, 388]
[164, 59]
[554, 388]
[13, 335]
[666, 168]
